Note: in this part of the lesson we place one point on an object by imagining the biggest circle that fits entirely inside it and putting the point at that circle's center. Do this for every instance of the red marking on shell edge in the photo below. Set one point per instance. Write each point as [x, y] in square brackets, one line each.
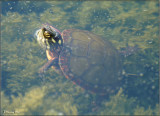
[67, 77]
[55, 29]
[74, 83]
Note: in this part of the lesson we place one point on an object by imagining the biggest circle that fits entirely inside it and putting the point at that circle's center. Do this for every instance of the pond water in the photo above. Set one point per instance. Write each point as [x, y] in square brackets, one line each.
[124, 23]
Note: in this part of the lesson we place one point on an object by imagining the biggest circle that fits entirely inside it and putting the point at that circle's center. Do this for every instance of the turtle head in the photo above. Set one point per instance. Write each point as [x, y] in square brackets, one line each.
[47, 34]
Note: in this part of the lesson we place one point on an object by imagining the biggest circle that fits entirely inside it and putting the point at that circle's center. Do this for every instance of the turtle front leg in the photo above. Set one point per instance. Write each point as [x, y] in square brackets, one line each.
[46, 66]
[52, 59]
[43, 69]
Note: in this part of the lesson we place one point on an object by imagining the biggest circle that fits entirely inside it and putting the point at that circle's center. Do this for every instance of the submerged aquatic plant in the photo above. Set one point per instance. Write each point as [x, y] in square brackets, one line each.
[124, 23]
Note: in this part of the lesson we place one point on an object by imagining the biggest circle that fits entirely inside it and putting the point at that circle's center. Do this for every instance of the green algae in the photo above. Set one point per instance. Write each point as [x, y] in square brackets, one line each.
[121, 22]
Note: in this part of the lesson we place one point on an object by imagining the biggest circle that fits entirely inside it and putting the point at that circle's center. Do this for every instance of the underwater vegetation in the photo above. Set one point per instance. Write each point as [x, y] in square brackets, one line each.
[124, 23]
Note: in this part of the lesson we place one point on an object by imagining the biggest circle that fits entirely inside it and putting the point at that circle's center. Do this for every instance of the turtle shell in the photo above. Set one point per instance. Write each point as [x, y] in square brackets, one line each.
[90, 62]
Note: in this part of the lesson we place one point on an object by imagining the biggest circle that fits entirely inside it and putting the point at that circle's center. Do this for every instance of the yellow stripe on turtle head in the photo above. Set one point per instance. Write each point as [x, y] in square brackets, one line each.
[59, 42]
[53, 40]
[47, 44]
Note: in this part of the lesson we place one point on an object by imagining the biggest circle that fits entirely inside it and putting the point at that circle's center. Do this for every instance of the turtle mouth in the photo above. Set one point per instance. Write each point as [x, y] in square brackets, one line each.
[47, 34]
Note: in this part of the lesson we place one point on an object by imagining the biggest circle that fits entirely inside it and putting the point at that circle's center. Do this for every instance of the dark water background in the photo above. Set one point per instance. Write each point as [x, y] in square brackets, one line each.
[124, 23]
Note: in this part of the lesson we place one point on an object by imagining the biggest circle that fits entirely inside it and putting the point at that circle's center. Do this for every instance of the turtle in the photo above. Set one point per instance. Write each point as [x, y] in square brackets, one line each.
[90, 61]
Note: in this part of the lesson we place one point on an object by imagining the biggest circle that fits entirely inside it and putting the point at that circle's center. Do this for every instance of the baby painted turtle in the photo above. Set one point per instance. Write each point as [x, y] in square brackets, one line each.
[85, 58]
